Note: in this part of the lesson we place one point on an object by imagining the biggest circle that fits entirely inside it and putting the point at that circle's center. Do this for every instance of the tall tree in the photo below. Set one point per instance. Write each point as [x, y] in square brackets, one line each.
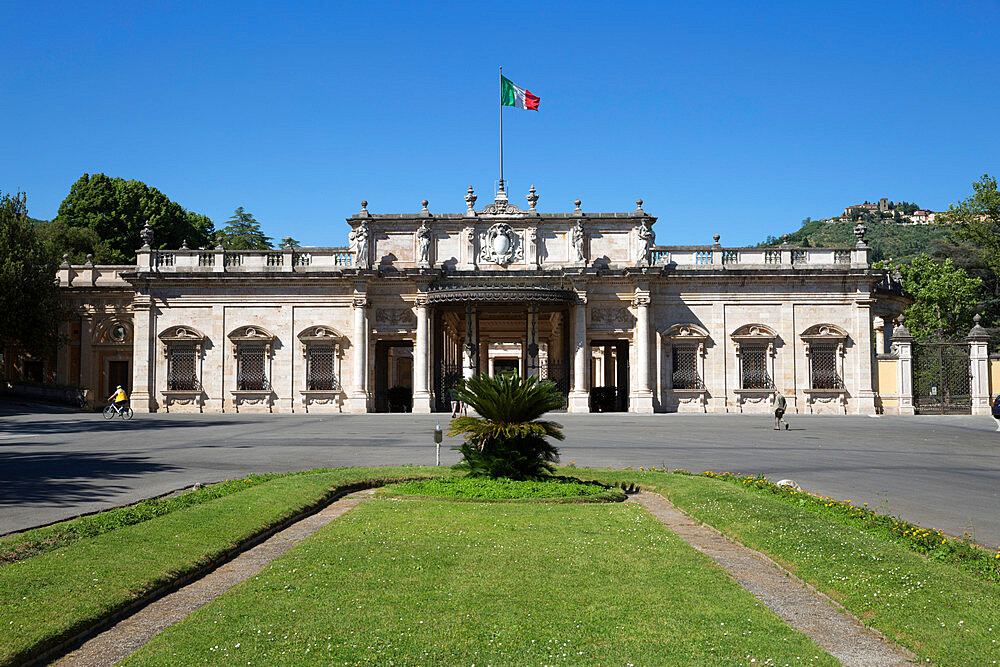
[243, 232]
[115, 210]
[945, 298]
[30, 310]
[978, 221]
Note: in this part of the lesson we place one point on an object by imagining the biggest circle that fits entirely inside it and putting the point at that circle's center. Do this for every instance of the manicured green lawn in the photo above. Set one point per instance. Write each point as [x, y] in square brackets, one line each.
[938, 610]
[558, 489]
[58, 592]
[433, 582]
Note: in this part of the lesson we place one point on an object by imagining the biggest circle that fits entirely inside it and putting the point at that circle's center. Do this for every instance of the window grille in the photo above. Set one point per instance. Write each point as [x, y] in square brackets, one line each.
[685, 373]
[800, 257]
[320, 368]
[754, 366]
[824, 367]
[842, 256]
[301, 259]
[234, 260]
[206, 259]
[772, 257]
[703, 257]
[182, 368]
[251, 365]
[275, 259]
[730, 257]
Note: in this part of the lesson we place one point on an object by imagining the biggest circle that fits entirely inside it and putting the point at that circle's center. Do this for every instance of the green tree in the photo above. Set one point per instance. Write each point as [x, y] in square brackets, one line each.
[243, 232]
[509, 438]
[115, 210]
[30, 309]
[945, 298]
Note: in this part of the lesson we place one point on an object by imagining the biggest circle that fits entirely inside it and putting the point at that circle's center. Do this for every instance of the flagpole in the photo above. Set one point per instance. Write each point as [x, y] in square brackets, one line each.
[501, 131]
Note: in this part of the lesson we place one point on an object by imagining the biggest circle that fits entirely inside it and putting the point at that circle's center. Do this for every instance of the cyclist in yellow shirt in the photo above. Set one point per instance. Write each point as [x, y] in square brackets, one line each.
[119, 398]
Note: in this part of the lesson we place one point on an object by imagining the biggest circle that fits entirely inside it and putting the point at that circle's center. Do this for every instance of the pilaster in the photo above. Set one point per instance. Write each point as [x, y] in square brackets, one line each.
[358, 399]
[579, 396]
[979, 368]
[902, 341]
[142, 398]
[642, 396]
[421, 353]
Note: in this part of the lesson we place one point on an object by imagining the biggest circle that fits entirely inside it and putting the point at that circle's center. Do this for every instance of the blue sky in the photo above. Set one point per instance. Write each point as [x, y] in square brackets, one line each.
[732, 118]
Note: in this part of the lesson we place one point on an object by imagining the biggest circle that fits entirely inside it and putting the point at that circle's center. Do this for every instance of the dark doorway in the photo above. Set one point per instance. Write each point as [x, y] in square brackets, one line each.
[501, 366]
[118, 374]
[609, 385]
[393, 376]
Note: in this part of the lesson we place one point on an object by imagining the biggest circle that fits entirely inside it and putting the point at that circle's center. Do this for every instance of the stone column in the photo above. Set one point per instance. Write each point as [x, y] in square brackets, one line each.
[878, 324]
[143, 386]
[642, 395]
[86, 378]
[579, 397]
[359, 390]
[903, 342]
[979, 368]
[470, 348]
[421, 353]
[531, 349]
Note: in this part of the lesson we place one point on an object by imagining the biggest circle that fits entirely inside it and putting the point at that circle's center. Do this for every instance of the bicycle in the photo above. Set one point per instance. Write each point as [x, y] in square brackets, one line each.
[112, 409]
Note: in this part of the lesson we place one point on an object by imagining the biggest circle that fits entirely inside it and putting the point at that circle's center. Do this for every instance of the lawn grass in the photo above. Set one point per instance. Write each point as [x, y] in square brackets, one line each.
[559, 489]
[939, 610]
[433, 582]
[52, 596]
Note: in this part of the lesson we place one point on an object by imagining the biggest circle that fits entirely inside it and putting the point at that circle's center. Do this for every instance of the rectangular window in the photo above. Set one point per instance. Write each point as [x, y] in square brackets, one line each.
[182, 369]
[823, 358]
[320, 370]
[753, 358]
[251, 372]
[685, 372]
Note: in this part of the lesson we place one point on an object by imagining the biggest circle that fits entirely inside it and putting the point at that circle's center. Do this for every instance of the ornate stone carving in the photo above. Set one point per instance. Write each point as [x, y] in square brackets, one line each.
[146, 235]
[470, 202]
[646, 238]
[358, 244]
[423, 246]
[532, 198]
[501, 245]
[578, 240]
[500, 205]
[610, 316]
[395, 317]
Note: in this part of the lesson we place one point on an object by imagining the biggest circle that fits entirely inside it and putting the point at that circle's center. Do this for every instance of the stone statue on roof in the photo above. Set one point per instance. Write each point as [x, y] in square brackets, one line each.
[358, 243]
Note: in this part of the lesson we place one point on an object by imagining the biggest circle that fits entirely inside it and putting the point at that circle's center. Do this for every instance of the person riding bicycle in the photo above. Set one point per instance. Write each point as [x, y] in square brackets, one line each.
[119, 398]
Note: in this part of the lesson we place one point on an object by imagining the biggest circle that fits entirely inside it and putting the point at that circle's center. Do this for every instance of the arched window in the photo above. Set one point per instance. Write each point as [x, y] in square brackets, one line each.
[755, 349]
[687, 353]
[825, 345]
[320, 347]
[182, 347]
[252, 348]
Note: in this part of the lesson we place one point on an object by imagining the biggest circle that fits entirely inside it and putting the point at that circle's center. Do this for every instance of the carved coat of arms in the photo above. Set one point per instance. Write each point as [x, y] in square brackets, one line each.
[501, 245]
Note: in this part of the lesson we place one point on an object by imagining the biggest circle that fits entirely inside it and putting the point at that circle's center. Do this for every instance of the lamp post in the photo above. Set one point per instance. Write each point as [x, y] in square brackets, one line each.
[437, 441]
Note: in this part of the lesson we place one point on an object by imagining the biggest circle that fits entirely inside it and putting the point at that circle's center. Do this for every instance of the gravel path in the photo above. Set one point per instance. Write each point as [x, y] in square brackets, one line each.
[835, 630]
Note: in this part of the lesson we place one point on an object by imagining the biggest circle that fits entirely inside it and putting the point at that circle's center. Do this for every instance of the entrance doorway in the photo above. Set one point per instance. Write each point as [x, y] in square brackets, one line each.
[609, 370]
[393, 376]
[118, 374]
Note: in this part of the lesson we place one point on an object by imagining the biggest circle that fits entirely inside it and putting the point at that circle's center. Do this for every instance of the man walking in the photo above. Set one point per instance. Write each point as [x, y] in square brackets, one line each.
[779, 406]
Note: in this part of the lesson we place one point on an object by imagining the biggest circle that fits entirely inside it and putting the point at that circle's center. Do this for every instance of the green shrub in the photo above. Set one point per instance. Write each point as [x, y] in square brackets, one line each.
[508, 438]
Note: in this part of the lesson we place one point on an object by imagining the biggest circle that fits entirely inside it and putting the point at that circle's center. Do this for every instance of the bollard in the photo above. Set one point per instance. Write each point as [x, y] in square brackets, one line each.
[437, 442]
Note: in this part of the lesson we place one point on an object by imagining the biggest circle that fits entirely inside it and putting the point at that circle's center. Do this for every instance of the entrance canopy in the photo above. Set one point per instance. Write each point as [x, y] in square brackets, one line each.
[496, 292]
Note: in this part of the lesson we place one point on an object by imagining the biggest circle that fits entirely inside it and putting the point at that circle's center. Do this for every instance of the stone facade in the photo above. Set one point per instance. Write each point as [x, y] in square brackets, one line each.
[418, 301]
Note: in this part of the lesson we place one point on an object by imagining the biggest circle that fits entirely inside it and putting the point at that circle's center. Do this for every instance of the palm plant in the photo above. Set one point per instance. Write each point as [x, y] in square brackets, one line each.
[508, 438]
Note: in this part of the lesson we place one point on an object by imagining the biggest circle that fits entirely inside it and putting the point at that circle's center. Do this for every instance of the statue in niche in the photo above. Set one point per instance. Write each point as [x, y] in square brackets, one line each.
[358, 243]
[646, 238]
[424, 245]
[578, 241]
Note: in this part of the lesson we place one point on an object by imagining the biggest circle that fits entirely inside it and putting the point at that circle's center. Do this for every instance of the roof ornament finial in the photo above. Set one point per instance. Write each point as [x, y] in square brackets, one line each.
[470, 202]
[146, 235]
[184, 244]
[638, 206]
[363, 213]
[424, 212]
[716, 237]
[860, 230]
[501, 198]
[532, 198]
[577, 203]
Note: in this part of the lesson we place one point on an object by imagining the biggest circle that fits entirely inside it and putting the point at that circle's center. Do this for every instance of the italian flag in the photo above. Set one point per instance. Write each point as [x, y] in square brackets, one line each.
[515, 96]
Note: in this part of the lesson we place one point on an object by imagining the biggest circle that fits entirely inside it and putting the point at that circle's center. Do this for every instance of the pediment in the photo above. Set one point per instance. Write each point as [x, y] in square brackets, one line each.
[685, 330]
[180, 334]
[755, 331]
[829, 331]
[320, 333]
[251, 333]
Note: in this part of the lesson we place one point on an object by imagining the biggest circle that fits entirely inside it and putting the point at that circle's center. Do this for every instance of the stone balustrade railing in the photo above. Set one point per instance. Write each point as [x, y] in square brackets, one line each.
[693, 256]
[215, 260]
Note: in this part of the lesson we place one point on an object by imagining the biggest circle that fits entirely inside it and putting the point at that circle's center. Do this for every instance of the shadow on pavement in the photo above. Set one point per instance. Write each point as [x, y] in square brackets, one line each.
[67, 477]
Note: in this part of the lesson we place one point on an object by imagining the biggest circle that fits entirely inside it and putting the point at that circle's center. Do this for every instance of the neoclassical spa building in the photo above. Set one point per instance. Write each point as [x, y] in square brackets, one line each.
[417, 301]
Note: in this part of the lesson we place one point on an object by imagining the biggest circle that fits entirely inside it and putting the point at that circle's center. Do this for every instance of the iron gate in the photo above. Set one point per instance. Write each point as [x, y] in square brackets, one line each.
[942, 383]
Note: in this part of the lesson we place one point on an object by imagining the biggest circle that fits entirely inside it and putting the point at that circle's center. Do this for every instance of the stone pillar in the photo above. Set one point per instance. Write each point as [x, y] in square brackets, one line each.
[359, 390]
[421, 353]
[642, 395]
[470, 349]
[979, 368]
[879, 326]
[903, 342]
[143, 384]
[865, 400]
[86, 378]
[579, 397]
[531, 348]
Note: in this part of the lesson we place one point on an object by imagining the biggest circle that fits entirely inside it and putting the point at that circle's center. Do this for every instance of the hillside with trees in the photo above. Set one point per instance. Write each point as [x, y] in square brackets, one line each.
[900, 242]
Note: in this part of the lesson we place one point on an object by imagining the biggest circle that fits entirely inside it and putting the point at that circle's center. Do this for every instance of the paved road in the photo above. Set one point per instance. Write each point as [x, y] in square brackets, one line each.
[941, 472]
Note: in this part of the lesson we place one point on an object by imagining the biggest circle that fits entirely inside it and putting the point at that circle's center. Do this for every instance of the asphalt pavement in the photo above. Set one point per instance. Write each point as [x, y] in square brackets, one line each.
[942, 472]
